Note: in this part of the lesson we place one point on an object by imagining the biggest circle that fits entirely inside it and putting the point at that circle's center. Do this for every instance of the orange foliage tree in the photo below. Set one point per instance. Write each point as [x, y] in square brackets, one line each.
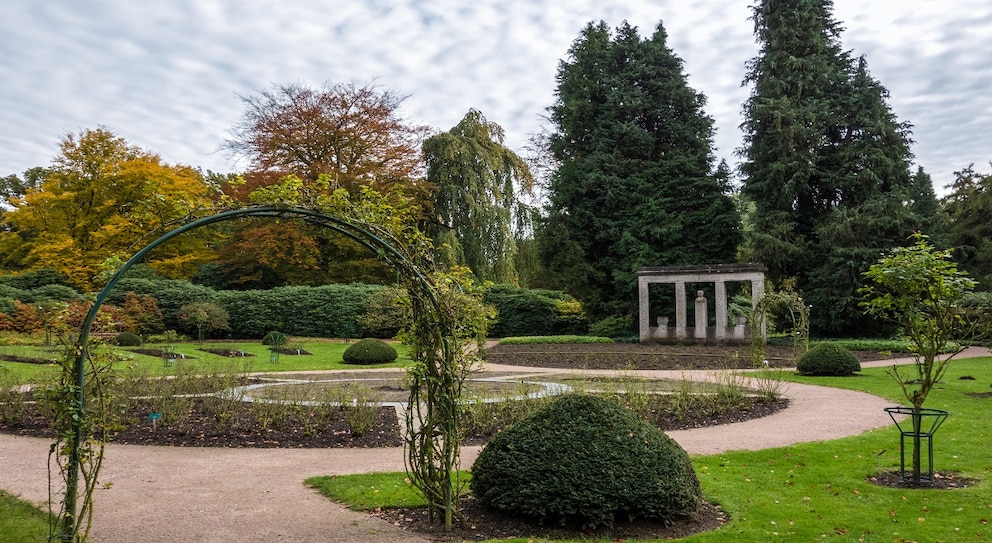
[103, 198]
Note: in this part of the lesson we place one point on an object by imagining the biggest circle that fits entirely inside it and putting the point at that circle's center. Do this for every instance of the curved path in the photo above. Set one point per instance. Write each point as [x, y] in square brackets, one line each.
[175, 494]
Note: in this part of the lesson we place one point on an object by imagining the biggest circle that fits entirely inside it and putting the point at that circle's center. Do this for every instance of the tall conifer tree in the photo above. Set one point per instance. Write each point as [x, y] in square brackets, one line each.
[635, 184]
[826, 163]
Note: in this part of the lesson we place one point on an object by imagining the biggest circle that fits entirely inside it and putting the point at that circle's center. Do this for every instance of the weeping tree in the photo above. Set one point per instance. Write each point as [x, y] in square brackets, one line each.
[919, 288]
[477, 182]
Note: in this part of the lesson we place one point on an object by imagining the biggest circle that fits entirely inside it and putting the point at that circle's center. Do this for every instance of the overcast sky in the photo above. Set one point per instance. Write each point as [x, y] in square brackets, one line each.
[167, 75]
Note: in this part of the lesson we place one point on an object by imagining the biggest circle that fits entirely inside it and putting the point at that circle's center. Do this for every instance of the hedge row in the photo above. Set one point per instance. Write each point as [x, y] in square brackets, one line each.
[347, 311]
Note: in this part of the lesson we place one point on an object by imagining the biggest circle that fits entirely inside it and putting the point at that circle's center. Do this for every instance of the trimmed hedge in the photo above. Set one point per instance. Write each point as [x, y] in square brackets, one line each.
[534, 312]
[586, 461]
[828, 359]
[370, 351]
[127, 339]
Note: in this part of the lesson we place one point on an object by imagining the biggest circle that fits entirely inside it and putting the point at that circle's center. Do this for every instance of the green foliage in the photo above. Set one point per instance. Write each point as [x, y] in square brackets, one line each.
[969, 206]
[826, 163]
[636, 183]
[523, 311]
[476, 182]
[614, 326]
[977, 309]
[203, 318]
[275, 339]
[587, 461]
[828, 359]
[127, 339]
[920, 289]
[369, 351]
[559, 340]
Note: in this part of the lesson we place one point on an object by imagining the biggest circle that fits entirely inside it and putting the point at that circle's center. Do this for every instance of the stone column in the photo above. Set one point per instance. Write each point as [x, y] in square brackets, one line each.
[721, 310]
[757, 293]
[680, 310]
[644, 306]
[701, 316]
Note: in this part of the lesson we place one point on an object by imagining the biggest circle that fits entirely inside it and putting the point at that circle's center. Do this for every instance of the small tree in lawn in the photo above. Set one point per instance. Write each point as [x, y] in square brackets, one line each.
[919, 288]
[204, 317]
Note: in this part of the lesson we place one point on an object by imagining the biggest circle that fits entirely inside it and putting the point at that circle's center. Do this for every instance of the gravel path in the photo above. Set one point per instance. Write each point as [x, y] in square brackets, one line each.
[168, 494]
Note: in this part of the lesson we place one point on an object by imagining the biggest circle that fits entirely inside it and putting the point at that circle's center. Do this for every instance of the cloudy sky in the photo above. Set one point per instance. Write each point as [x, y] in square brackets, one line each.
[167, 75]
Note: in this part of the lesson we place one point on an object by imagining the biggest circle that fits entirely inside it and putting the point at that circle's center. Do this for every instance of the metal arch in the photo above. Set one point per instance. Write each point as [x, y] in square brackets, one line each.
[379, 246]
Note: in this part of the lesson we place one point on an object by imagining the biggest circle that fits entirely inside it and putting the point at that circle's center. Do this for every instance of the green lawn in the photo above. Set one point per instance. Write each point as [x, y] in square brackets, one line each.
[327, 355]
[820, 492]
[21, 522]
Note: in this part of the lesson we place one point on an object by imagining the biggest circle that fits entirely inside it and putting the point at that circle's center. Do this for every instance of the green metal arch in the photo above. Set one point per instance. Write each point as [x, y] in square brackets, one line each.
[385, 250]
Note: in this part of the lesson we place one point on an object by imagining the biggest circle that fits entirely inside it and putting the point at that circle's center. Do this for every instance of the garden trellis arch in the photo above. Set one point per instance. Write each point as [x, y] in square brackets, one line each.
[434, 335]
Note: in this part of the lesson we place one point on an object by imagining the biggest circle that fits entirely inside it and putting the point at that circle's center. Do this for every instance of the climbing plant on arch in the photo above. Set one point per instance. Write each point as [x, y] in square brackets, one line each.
[437, 332]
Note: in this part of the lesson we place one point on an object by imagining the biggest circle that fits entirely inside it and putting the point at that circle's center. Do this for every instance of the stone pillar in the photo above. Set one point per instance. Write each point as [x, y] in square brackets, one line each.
[680, 310]
[721, 310]
[644, 308]
[757, 293]
[701, 316]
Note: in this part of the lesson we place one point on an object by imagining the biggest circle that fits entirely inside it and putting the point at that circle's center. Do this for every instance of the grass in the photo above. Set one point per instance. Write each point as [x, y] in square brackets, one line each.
[369, 491]
[21, 522]
[820, 491]
[555, 340]
[326, 355]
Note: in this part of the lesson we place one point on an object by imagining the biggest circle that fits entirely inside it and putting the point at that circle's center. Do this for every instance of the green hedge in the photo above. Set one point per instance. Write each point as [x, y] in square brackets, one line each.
[534, 312]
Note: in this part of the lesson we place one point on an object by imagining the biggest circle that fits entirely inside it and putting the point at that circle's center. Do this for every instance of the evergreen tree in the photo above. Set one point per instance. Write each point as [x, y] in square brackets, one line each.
[969, 206]
[826, 163]
[635, 184]
[476, 181]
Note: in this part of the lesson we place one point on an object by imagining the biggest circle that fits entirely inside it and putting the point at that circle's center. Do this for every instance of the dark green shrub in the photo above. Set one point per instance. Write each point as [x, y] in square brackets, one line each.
[533, 312]
[275, 339]
[127, 339]
[585, 461]
[613, 326]
[828, 359]
[370, 351]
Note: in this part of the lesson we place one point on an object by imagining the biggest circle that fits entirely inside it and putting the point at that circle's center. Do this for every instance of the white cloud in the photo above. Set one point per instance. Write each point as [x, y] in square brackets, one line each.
[167, 75]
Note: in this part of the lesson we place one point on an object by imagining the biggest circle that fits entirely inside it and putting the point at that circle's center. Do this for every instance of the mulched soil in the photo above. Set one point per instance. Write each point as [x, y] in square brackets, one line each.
[658, 356]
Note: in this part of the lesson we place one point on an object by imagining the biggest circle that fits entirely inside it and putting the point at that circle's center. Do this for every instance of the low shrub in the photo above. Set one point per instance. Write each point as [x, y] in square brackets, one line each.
[369, 351]
[127, 339]
[275, 339]
[555, 340]
[828, 359]
[614, 326]
[584, 460]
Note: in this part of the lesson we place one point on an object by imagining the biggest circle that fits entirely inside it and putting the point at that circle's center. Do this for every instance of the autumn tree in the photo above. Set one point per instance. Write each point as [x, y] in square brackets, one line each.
[350, 135]
[826, 163]
[475, 182]
[635, 183]
[104, 198]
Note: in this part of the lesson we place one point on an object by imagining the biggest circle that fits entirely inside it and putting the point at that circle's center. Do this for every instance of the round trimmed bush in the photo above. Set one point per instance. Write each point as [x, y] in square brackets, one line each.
[275, 339]
[127, 339]
[828, 359]
[370, 351]
[584, 460]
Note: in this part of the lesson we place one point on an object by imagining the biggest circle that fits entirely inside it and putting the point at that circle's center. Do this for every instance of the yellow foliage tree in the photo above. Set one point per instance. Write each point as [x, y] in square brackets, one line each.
[102, 199]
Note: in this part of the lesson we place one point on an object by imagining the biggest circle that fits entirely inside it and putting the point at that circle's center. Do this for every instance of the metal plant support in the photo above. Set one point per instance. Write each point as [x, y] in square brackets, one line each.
[916, 424]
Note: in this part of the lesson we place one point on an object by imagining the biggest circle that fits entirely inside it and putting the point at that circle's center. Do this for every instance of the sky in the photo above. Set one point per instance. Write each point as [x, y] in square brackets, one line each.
[169, 76]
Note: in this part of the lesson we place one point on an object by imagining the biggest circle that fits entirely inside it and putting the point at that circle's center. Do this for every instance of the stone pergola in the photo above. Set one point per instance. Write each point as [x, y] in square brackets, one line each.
[679, 276]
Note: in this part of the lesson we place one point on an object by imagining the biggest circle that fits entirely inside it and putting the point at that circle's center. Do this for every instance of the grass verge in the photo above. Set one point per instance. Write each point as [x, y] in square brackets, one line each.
[21, 522]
